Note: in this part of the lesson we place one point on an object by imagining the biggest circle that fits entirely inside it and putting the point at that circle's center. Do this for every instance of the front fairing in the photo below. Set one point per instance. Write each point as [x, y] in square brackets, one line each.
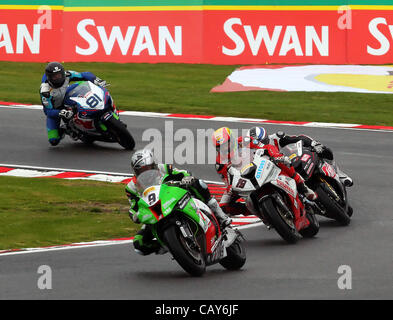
[88, 98]
[253, 174]
[159, 200]
[91, 102]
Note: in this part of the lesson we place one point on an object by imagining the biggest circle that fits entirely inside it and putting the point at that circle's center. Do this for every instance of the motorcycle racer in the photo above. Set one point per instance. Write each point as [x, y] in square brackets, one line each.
[54, 86]
[227, 152]
[143, 160]
[258, 135]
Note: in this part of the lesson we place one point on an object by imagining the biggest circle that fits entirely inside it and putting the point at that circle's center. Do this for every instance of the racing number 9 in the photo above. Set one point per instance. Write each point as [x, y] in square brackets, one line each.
[151, 198]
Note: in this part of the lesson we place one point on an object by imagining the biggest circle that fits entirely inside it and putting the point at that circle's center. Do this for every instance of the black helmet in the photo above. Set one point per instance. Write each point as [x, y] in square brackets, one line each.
[55, 74]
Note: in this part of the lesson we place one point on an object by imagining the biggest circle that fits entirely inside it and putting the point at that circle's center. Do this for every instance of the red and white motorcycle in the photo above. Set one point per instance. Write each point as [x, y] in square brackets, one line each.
[272, 196]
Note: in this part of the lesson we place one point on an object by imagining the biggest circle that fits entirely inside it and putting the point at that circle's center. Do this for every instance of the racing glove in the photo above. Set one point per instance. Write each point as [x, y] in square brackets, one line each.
[317, 146]
[283, 159]
[187, 181]
[66, 114]
[133, 215]
[100, 82]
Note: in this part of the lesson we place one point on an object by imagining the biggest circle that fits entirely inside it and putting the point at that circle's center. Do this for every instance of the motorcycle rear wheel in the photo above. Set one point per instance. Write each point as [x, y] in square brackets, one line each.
[179, 249]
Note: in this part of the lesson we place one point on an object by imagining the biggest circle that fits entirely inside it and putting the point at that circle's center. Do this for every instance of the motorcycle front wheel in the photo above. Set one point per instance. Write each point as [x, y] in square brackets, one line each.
[284, 225]
[236, 256]
[120, 133]
[189, 257]
[313, 227]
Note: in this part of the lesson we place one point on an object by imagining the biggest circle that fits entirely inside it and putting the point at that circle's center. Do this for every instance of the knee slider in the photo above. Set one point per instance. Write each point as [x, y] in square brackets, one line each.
[54, 142]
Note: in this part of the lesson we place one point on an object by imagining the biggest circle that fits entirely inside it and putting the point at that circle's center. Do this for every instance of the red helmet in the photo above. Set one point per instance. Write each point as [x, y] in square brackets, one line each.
[225, 144]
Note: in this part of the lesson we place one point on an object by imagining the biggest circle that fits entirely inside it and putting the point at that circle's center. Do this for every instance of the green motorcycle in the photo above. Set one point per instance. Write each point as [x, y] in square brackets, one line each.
[186, 226]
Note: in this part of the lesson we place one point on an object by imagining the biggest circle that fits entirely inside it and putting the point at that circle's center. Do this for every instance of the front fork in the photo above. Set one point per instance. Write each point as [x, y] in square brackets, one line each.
[105, 118]
[280, 202]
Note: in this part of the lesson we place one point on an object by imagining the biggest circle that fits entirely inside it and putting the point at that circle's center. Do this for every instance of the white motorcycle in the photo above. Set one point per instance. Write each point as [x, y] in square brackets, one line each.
[272, 196]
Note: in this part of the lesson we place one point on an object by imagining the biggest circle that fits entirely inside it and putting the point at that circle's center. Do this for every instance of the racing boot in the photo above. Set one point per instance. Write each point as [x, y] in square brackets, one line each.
[309, 194]
[302, 188]
[144, 243]
[222, 218]
[344, 178]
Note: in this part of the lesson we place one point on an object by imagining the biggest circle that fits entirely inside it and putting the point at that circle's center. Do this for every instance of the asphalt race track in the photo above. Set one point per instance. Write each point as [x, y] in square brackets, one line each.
[274, 270]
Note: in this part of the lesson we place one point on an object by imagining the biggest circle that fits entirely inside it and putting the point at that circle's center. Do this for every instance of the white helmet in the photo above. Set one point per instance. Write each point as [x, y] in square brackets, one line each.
[143, 160]
[257, 135]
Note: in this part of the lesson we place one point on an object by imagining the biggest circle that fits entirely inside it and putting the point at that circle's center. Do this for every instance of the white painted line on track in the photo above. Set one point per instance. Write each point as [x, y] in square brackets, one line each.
[100, 175]
[324, 125]
[62, 169]
[83, 245]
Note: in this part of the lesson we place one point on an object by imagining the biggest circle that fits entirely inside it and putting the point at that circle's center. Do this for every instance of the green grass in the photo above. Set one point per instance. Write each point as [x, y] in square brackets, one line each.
[43, 212]
[185, 88]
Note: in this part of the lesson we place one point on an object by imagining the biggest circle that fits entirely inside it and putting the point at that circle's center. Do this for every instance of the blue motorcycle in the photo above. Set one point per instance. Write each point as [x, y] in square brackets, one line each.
[95, 116]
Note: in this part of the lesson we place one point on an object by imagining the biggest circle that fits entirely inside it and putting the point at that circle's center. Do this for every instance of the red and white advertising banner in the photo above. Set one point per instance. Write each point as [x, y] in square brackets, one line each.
[198, 36]
[273, 37]
[133, 37]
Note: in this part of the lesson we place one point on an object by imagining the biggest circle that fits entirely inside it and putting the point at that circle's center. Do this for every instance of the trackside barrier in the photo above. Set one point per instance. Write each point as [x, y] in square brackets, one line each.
[197, 31]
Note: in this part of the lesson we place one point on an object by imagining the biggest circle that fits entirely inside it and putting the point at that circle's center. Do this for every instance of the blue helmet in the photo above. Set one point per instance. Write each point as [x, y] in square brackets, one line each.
[257, 135]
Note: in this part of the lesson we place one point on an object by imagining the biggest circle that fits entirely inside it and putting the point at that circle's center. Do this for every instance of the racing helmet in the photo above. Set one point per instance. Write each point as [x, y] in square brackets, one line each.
[225, 143]
[256, 135]
[55, 74]
[143, 160]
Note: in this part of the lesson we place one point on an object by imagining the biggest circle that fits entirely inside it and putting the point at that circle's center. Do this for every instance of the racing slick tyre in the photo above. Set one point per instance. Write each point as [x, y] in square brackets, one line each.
[120, 133]
[189, 258]
[333, 209]
[284, 226]
[236, 256]
[313, 227]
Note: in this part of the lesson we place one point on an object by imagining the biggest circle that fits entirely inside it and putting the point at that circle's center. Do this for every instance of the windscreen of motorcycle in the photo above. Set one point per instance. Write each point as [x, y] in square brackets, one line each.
[293, 150]
[149, 178]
